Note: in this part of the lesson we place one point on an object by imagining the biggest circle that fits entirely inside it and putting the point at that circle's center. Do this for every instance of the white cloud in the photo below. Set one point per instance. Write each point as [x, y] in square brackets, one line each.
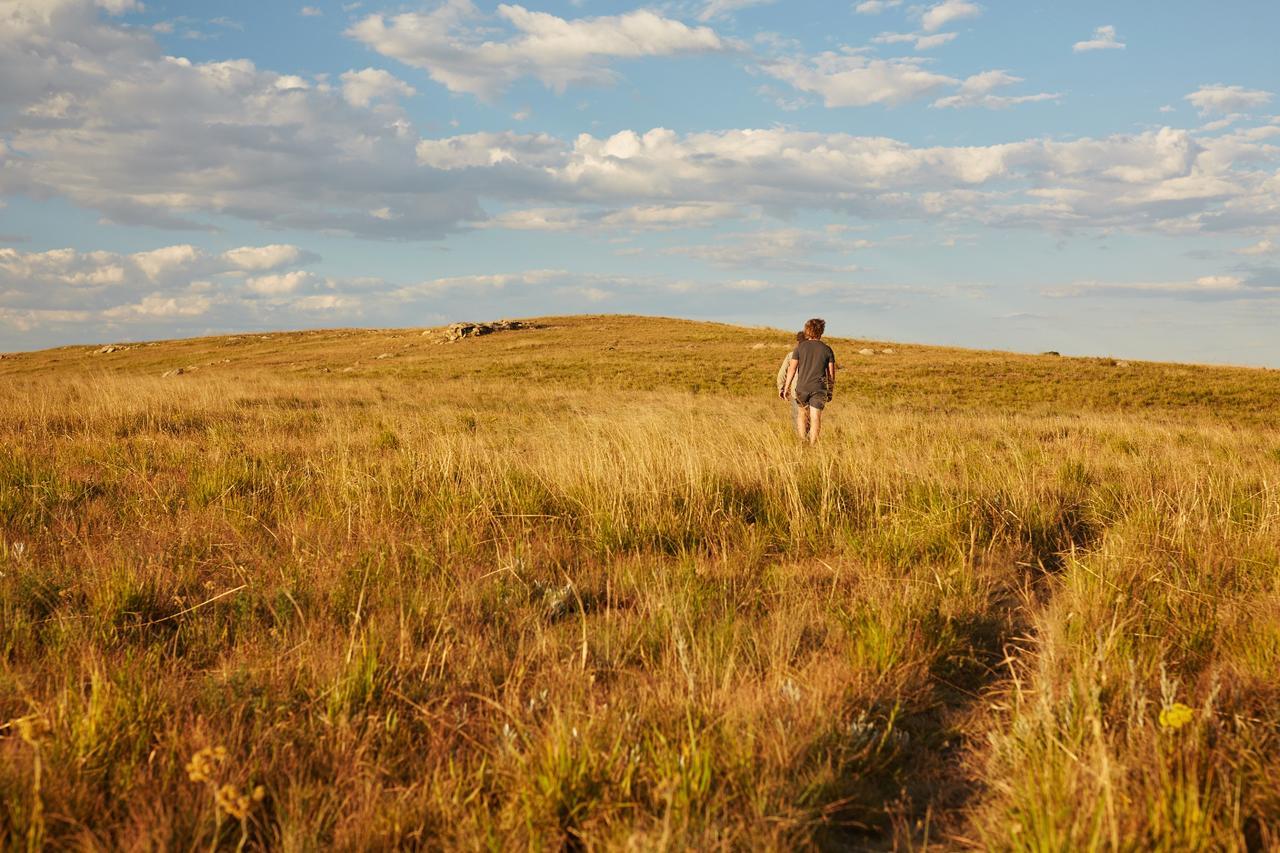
[1164, 179]
[119, 7]
[1104, 38]
[31, 319]
[664, 216]
[325, 302]
[160, 262]
[1211, 287]
[724, 8]
[938, 16]
[66, 286]
[363, 87]
[651, 217]
[263, 258]
[144, 138]
[1219, 99]
[919, 40]
[279, 283]
[1265, 246]
[854, 80]
[159, 305]
[460, 54]
[785, 249]
[977, 91]
[875, 7]
[515, 288]
[935, 40]
[488, 149]
[474, 283]
[310, 12]
[538, 219]
[141, 138]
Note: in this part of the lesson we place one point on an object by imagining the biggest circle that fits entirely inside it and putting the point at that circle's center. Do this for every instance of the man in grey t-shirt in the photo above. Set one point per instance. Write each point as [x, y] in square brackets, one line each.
[813, 369]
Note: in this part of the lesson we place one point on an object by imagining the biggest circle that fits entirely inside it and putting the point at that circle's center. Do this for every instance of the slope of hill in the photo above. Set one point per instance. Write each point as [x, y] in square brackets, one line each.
[577, 585]
[646, 353]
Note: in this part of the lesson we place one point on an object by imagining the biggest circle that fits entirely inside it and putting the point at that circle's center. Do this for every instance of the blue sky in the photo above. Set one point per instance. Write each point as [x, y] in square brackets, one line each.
[1094, 178]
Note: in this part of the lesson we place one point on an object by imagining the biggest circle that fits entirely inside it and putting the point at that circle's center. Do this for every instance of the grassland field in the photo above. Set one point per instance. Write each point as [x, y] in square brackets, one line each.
[579, 587]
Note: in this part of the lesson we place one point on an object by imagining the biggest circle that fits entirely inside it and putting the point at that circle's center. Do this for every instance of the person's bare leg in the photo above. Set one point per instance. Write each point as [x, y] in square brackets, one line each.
[815, 422]
[802, 422]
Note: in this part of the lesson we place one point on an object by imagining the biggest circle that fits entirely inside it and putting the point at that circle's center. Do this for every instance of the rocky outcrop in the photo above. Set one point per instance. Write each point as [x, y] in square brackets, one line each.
[459, 331]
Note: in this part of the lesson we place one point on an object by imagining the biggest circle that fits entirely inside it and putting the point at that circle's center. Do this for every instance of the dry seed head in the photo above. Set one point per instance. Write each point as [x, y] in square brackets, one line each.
[31, 728]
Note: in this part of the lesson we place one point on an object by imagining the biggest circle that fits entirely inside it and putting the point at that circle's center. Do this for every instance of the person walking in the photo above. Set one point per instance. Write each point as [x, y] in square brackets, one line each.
[812, 373]
[788, 392]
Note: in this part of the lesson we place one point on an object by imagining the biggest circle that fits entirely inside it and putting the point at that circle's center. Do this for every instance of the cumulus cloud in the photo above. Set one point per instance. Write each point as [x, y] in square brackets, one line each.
[978, 91]
[157, 263]
[856, 80]
[1219, 99]
[1165, 179]
[279, 283]
[1104, 38]
[160, 306]
[66, 286]
[363, 87]
[145, 138]
[457, 49]
[940, 15]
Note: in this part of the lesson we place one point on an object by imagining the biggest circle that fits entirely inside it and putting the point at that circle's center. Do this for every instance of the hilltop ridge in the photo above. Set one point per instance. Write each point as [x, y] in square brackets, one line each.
[639, 353]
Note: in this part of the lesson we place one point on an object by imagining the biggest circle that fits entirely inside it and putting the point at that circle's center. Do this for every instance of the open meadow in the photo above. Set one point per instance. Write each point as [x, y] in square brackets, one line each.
[578, 586]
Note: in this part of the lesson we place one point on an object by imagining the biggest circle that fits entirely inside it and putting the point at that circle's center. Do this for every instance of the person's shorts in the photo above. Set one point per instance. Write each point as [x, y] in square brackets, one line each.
[816, 399]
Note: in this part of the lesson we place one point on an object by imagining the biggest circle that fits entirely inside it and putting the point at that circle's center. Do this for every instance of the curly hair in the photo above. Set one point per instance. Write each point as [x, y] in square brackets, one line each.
[814, 328]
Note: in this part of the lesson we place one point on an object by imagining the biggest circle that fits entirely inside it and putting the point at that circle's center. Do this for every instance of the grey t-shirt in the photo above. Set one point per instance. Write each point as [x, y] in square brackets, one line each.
[811, 373]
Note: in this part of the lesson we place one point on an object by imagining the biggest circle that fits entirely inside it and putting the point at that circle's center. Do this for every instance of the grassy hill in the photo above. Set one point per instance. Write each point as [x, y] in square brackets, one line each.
[577, 585]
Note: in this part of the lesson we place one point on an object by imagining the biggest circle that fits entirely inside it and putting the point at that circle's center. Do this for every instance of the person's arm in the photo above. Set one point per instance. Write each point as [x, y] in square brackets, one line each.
[782, 374]
[791, 374]
[831, 375]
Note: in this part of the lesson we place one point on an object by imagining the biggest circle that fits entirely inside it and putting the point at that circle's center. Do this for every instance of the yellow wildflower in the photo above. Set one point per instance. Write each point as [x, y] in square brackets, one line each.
[204, 763]
[1175, 717]
[234, 803]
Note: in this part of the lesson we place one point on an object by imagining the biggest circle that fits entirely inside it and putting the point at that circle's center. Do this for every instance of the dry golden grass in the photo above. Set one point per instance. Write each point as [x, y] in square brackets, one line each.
[579, 586]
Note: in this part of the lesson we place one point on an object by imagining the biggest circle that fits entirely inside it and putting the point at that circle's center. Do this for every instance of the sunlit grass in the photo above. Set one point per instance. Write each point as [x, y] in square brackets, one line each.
[419, 603]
